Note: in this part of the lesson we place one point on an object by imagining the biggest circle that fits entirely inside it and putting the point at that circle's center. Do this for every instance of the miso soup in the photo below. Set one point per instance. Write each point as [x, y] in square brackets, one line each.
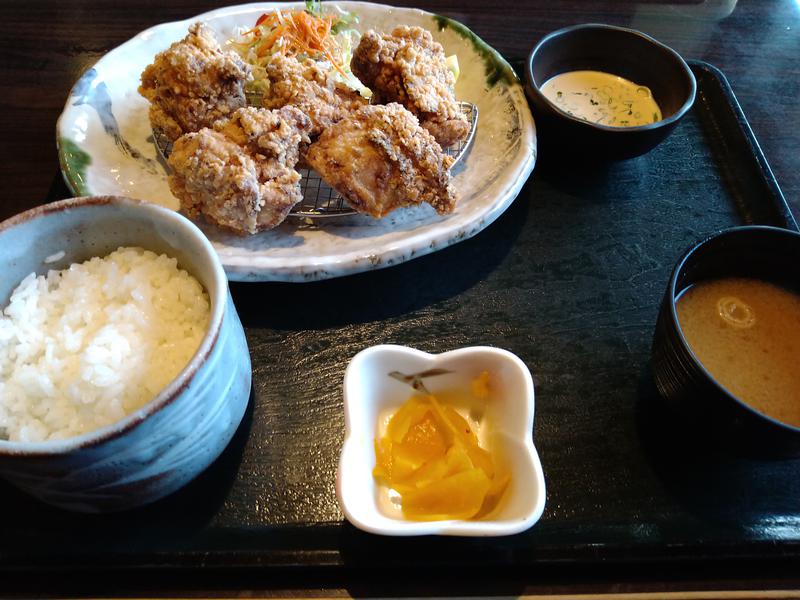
[746, 333]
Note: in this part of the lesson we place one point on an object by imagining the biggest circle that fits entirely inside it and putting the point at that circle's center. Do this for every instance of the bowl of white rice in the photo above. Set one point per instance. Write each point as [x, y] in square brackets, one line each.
[124, 369]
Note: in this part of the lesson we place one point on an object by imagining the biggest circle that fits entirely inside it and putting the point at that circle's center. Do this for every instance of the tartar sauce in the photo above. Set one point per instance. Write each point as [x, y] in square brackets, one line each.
[602, 98]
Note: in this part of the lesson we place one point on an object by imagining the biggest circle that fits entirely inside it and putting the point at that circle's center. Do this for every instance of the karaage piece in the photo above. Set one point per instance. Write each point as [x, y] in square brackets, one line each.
[240, 174]
[309, 88]
[193, 83]
[409, 67]
[380, 159]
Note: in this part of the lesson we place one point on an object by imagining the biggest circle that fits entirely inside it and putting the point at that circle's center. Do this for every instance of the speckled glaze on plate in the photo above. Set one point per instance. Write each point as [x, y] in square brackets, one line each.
[105, 147]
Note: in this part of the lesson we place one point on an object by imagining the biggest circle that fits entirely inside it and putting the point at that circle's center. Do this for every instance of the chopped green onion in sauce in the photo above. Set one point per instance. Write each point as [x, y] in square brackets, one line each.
[602, 98]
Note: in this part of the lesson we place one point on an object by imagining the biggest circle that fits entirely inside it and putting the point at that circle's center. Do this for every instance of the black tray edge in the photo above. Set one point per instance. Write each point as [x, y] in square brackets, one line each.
[746, 136]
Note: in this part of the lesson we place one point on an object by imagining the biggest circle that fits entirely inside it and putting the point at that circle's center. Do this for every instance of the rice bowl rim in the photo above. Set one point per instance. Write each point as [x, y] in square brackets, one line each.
[177, 385]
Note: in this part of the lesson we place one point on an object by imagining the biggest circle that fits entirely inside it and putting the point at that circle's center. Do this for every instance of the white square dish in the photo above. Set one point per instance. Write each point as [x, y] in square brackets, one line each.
[504, 425]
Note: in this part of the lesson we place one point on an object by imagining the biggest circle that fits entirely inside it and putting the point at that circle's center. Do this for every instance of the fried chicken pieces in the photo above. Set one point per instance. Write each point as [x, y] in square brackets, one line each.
[409, 67]
[235, 165]
[193, 83]
[240, 174]
[309, 88]
[380, 159]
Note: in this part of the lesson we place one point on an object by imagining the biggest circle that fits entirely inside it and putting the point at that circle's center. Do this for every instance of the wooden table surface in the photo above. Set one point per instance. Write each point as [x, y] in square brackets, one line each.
[45, 45]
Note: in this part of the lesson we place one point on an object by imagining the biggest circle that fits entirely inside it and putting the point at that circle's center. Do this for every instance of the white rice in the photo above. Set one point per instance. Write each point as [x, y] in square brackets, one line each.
[83, 347]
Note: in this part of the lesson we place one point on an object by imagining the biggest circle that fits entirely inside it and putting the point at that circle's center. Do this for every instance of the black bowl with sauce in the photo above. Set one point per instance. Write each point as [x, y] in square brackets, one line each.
[619, 51]
[768, 254]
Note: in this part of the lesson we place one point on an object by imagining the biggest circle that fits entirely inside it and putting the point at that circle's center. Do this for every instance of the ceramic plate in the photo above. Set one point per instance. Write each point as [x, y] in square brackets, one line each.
[503, 424]
[106, 148]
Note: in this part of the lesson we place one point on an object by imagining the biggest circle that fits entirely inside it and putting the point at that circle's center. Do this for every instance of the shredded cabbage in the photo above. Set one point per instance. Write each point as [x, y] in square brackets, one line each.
[325, 36]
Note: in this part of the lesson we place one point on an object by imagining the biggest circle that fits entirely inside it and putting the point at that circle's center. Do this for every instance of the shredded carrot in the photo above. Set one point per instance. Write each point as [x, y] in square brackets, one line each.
[300, 32]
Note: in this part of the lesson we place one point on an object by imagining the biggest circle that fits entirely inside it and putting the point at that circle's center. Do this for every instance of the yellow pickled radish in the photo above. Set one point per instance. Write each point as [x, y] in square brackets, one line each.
[431, 456]
[460, 423]
[433, 470]
[454, 461]
[493, 495]
[457, 460]
[412, 412]
[463, 432]
[383, 460]
[458, 496]
[423, 442]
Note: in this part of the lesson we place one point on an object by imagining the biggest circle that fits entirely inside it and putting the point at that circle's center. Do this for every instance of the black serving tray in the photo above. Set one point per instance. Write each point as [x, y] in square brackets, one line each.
[569, 279]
